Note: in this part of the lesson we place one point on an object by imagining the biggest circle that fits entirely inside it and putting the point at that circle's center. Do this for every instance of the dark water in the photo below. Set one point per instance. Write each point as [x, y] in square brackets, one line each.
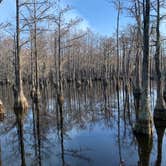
[88, 132]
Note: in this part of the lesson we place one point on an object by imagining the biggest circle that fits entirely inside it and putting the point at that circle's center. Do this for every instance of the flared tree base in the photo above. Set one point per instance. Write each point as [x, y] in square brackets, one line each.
[60, 99]
[143, 128]
[2, 111]
[20, 106]
[164, 95]
[137, 93]
[78, 84]
[160, 114]
[36, 97]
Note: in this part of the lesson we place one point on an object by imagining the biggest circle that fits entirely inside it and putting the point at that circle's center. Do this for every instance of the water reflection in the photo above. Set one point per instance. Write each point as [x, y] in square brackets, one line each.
[61, 135]
[0, 155]
[145, 144]
[38, 133]
[20, 131]
[160, 129]
[94, 127]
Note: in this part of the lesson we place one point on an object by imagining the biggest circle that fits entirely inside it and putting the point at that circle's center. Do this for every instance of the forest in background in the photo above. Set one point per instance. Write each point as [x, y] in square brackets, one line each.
[48, 64]
[46, 48]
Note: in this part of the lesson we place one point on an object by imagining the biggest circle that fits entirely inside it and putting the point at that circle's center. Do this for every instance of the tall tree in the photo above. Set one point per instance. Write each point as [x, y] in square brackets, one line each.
[144, 122]
[136, 12]
[119, 8]
[1, 104]
[37, 13]
[160, 108]
[61, 29]
[20, 102]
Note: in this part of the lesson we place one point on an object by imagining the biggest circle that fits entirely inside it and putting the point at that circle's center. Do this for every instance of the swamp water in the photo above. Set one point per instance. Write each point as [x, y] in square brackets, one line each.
[88, 132]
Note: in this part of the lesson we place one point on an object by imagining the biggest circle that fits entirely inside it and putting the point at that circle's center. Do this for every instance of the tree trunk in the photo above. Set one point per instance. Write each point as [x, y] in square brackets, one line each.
[144, 122]
[160, 109]
[2, 111]
[20, 103]
[36, 54]
[164, 93]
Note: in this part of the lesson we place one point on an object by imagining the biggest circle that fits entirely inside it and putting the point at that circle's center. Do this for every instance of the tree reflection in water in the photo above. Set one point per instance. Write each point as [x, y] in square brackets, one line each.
[92, 127]
[160, 129]
[20, 116]
[145, 144]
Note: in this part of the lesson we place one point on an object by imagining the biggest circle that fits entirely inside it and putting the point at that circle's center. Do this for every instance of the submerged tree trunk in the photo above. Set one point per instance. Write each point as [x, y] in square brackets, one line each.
[160, 108]
[20, 103]
[144, 122]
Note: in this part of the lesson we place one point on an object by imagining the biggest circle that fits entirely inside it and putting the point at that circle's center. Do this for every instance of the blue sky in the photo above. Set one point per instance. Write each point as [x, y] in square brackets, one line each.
[98, 15]
[7, 10]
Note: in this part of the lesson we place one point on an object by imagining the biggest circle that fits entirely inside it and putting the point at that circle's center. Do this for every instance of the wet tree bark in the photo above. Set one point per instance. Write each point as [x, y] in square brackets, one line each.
[160, 108]
[145, 144]
[160, 128]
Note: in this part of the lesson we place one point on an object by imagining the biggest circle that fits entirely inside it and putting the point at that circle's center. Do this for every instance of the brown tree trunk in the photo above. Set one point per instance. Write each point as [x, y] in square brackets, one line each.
[35, 54]
[2, 111]
[160, 108]
[20, 103]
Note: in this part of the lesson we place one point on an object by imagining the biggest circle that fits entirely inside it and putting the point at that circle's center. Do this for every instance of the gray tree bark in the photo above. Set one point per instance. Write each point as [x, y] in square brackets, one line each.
[144, 122]
[160, 108]
[20, 103]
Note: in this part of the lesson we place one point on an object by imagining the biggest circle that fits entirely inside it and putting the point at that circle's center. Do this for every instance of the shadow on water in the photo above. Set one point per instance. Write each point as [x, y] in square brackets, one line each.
[37, 132]
[160, 129]
[20, 131]
[61, 135]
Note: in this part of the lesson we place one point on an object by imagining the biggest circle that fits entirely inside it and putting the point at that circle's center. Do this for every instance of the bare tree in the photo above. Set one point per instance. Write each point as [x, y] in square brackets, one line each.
[1, 104]
[62, 28]
[144, 122]
[118, 6]
[20, 103]
[160, 108]
[136, 11]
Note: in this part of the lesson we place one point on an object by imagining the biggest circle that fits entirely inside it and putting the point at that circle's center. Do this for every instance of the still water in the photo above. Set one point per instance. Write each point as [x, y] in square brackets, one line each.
[88, 132]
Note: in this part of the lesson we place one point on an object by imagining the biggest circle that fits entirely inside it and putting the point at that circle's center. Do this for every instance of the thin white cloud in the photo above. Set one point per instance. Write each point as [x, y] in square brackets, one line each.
[83, 25]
